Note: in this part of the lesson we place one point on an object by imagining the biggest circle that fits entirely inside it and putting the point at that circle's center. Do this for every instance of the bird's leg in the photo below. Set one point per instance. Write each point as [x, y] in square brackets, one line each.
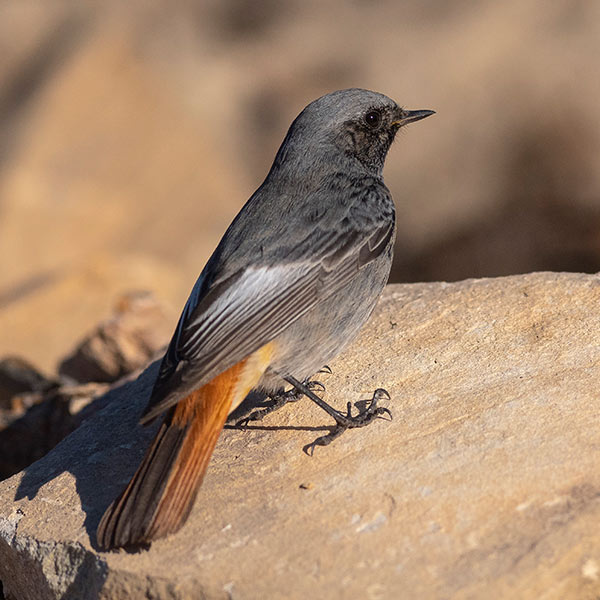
[277, 401]
[282, 398]
[347, 421]
[343, 421]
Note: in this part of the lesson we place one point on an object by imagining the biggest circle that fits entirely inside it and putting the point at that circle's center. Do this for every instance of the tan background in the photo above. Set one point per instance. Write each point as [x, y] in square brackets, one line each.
[131, 135]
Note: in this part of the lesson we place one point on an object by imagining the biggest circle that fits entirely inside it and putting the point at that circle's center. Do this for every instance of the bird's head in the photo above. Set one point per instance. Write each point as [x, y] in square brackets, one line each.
[354, 124]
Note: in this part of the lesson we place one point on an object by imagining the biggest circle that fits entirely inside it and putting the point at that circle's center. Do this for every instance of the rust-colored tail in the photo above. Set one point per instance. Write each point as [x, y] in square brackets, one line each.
[160, 495]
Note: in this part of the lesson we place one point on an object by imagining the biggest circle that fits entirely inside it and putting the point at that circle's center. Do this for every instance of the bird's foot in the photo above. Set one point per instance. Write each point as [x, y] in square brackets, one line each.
[280, 400]
[346, 421]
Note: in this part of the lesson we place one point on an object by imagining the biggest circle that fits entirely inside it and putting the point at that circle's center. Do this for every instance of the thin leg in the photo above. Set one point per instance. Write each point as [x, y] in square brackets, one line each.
[277, 401]
[343, 421]
[347, 421]
[303, 388]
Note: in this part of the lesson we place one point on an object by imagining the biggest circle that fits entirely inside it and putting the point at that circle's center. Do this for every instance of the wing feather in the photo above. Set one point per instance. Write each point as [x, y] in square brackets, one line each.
[234, 317]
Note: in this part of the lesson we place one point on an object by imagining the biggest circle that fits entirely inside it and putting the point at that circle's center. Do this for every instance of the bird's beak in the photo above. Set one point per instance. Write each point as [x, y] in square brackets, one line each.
[410, 116]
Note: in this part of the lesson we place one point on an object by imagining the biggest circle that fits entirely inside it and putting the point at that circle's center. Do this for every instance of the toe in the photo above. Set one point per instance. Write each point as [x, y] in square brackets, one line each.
[315, 385]
[380, 394]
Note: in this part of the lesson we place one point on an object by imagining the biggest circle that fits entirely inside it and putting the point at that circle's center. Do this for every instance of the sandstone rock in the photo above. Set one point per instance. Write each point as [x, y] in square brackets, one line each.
[42, 419]
[125, 342]
[40, 412]
[485, 484]
[18, 376]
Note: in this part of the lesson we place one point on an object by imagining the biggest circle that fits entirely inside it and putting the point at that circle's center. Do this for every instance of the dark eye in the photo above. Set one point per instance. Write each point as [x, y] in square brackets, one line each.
[373, 118]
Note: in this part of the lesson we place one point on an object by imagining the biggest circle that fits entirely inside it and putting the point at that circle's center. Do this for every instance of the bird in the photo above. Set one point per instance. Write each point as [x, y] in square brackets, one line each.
[294, 278]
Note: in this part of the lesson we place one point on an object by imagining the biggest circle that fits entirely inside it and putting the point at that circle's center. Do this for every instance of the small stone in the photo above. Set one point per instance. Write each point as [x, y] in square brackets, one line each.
[138, 329]
[18, 376]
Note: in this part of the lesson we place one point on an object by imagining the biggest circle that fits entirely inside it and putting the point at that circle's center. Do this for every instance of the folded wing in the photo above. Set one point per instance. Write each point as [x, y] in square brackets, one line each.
[225, 323]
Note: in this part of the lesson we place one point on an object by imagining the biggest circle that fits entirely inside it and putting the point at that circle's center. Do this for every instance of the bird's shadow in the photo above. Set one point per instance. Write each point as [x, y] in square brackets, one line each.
[104, 452]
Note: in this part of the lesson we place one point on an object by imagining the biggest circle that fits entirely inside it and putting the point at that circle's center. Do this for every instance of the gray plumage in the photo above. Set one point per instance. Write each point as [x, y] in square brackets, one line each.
[304, 261]
[296, 275]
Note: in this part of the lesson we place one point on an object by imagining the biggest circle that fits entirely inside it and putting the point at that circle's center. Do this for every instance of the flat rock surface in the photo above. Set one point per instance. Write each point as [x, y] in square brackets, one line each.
[485, 484]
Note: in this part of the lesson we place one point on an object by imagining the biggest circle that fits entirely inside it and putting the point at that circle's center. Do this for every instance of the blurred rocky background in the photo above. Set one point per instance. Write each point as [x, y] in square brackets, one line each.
[131, 134]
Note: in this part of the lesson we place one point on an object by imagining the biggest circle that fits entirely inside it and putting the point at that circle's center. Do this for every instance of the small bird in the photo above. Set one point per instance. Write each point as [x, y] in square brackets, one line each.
[292, 281]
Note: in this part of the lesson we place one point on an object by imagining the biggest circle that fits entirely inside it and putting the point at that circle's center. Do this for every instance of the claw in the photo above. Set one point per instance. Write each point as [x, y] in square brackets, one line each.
[309, 449]
[325, 369]
[243, 423]
[381, 410]
[343, 421]
[315, 385]
[324, 440]
[380, 393]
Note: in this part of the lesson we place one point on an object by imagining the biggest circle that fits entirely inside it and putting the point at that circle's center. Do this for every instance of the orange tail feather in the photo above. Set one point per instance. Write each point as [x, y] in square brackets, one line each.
[161, 493]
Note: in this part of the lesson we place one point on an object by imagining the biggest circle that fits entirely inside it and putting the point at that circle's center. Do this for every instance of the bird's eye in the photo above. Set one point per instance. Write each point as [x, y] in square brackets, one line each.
[373, 118]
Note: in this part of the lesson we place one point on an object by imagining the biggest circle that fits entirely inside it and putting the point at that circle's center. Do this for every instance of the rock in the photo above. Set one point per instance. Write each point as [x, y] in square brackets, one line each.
[42, 419]
[18, 376]
[485, 484]
[121, 344]
[21, 386]
[39, 412]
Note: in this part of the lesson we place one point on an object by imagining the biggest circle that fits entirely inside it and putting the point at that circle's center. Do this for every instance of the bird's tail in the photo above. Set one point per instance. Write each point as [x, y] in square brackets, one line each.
[160, 495]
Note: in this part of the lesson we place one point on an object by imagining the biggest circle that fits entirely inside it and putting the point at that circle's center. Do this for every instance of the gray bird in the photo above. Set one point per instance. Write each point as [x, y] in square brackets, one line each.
[296, 275]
